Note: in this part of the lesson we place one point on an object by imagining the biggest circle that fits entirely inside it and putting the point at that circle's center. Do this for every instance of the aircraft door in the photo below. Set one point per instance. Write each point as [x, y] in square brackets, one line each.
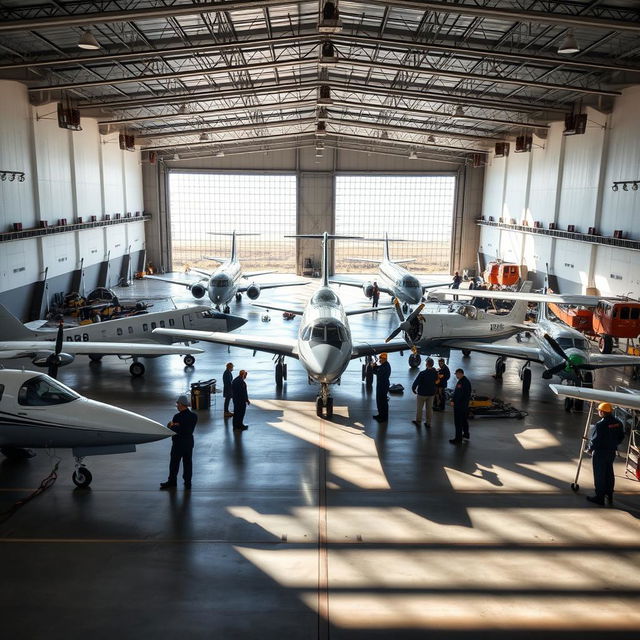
[187, 320]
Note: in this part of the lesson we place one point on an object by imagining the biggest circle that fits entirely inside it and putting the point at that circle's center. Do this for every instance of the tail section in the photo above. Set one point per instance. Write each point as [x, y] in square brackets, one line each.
[233, 247]
[518, 313]
[542, 307]
[386, 247]
[11, 328]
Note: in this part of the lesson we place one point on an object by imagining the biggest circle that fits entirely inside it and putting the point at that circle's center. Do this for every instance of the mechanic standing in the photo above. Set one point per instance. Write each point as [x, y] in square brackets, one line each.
[382, 371]
[182, 424]
[606, 435]
[460, 404]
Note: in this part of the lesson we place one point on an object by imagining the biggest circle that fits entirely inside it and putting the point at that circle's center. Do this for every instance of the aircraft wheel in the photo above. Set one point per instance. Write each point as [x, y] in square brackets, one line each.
[575, 486]
[466, 353]
[414, 360]
[405, 307]
[238, 297]
[319, 407]
[526, 380]
[329, 407]
[369, 376]
[279, 375]
[95, 357]
[136, 369]
[605, 344]
[226, 309]
[568, 404]
[189, 360]
[500, 367]
[284, 371]
[82, 477]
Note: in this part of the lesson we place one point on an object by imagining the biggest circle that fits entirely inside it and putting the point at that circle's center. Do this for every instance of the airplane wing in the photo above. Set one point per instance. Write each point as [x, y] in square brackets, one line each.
[184, 283]
[252, 274]
[215, 259]
[587, 301]
[373, 348]
[296, 311]
[364, 260]
[602, 360]
[404, 260]
[620, 399]
[346, 281]
[355, 312]
[273, 285]
[278, 346]
[29, 348]
[507, 350]
[201, 272]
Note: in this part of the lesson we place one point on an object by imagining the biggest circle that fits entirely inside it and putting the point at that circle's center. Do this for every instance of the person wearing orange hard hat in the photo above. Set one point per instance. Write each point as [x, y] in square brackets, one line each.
[606, 435]
[382, 371]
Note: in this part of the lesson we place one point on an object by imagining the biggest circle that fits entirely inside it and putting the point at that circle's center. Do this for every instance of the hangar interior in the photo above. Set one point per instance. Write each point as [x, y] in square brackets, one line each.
[129, 132]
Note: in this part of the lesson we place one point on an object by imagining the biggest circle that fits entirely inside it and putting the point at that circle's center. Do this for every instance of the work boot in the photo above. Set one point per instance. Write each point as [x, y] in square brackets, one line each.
[168, 485]
[596, 500]
[416, 423]
[455, 441]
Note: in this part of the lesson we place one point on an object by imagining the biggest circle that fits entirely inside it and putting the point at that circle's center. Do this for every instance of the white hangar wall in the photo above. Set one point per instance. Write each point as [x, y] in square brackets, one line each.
[567, 180]
[68, 175]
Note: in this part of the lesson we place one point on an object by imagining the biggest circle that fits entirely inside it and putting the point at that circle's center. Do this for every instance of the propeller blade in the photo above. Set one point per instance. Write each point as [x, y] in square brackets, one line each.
[415, 313]
[59, 339]
[54, 364]
[396, 304]
[393, 334]
[556, 347]
[557, 369]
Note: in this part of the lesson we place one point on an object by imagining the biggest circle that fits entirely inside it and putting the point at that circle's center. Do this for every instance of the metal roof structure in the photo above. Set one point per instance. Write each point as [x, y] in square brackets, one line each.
[444, 79]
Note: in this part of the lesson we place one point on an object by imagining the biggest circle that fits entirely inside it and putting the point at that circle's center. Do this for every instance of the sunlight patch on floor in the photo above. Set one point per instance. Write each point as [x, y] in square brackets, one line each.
[537, 439]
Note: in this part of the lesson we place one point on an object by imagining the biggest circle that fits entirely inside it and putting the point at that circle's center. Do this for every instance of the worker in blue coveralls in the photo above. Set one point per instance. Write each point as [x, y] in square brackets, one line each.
[182, 424]
[606, 435]
[382, 371]
[460, 403]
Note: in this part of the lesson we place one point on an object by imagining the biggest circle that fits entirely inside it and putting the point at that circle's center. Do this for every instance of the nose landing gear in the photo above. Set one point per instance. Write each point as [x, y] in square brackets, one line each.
[81, 476]
[525, 376]
[281, 371]
[324, 402]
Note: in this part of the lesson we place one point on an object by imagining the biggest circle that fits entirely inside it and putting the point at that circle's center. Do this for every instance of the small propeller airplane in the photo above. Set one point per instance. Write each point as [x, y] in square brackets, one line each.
[324, 345]
[563, 351]
[105, 338]
[37, 411]
[228, 280]
[393, 279]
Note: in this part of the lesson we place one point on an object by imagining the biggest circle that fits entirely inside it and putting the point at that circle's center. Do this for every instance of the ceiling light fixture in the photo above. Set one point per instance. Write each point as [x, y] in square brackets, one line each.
[204, 136]
[220, 153]
[569, 44]
[88, 41]
[183, 109]
[431, 139]
[413, 155]
[459, 112]
[330, 20]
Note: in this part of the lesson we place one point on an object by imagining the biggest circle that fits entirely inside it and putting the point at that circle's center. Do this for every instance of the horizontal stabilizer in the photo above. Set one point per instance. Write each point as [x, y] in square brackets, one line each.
[355, 312]
[215, 259]
[617, 398]
[296, 311]
[184, 283]
[587, 301]
[373, 260]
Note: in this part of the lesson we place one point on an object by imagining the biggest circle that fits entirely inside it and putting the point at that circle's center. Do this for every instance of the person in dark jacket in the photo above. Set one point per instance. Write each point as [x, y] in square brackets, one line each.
[240, 397]
[424, 386]
[182, 424]
[606, 435]
[460, 404]
[375, 294]
[441, 384]
[457, 280]
[382, 371]
[227, 379]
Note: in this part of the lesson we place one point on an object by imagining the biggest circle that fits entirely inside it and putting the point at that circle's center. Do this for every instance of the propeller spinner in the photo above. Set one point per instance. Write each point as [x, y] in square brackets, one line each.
[405, 324]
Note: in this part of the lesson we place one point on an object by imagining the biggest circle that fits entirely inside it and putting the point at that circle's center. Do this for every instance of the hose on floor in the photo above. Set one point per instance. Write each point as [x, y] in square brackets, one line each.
[44, 485]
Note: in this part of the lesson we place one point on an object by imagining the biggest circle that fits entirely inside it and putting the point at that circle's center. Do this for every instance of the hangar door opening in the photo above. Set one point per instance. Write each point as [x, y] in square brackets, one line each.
[204, 203]
[415, 208]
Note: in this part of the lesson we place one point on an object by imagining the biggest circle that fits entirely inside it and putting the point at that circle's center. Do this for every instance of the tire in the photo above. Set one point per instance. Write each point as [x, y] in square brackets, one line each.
[284, 371]
[575, 487]
[226, 309]
[466, 353]
[82, 477]
[329, 412]
[95, 357]
[414, 360]
[319, 407]
[364, 372]
[238, 297]
[568, 404]
[189, 360]
[605, 344]
[526, 380]
[136, 369]
[279, 375]
[500, 368]
[369, 377]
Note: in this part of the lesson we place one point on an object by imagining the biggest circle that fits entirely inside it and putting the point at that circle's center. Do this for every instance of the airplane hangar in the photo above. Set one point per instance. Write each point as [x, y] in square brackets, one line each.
[143, 144]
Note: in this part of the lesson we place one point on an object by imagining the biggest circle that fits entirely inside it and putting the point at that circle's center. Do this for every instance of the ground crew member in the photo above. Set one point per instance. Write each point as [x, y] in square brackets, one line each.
[240, 397]
[182, 424]
[424, 386]
[382, 371]
[606, 435]
[460, 404]
[227, 394]
[441, 384]
[375, 294]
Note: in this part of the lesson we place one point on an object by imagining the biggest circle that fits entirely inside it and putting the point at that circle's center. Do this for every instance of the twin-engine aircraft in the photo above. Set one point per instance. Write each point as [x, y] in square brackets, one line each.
[130, 337]
[37, 411]
[228, 280]
[392, 278]
[324, 345]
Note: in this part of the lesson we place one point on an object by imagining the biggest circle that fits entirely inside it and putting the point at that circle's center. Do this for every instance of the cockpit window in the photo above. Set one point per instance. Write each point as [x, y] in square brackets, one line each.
[332, 334]
[318, 333]
[220, 282]
[42, 392]
[579, 343]
[325, 296]
[565, 343]
[409, 282]
[306, 334]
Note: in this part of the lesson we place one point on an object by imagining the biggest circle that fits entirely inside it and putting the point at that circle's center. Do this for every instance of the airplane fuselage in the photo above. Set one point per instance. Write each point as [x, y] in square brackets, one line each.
[222, 285]
[324, 337]
[572, 342]
[405, 286]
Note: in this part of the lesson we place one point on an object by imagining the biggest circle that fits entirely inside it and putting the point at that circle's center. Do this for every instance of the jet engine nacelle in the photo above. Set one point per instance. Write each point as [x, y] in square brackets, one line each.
[198, 290]
[253, 291]
[41, 358]
[367, 288]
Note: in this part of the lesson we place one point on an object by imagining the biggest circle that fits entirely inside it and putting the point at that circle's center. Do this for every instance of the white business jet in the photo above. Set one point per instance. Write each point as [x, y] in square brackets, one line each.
[324, 346]
[392, 278]
[228, 280]
[563, 351]
[39, 412]
[129, 337]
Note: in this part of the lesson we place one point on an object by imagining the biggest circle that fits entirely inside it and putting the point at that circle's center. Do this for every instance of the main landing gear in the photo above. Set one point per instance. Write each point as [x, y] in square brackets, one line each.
[367, 371]
[189, 360]
[324, 402]
[500, 368]
[281, 371]
[81, 476]
[226, 309]
[238, 297]
[525, 376]
[136, 369]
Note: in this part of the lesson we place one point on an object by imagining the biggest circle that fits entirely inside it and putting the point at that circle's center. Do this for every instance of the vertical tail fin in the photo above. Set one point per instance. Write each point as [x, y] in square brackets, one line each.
[325, 259]
[233, 247]
[542, 307]
[518, 313]
[386, 246]
[11, 328]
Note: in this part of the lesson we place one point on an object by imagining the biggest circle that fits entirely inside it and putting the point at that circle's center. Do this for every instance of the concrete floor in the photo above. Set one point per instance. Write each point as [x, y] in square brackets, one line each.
[303, 528]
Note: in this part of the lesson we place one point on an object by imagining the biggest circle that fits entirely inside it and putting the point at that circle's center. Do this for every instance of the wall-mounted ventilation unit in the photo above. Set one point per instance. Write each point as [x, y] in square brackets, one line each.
[525, 223]
[575, 124]
[491, 219]
[127, 142]
[502, 149]
[479, 160]
[537, 224]
[571, 228]
[552, 225]
[524, 144]
[592, 231]
[68, 117]
[618, 233]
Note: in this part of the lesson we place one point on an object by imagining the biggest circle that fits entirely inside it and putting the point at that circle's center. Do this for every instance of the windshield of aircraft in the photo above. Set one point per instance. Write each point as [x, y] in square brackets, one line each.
[221, 282]
[41, 392]
[409, 282]
[332, 334]
[324, 296]
[573, 343]
[467, 310]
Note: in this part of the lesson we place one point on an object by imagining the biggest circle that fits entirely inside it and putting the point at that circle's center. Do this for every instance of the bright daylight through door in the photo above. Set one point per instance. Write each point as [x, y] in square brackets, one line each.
[418, 209]
[204, 203]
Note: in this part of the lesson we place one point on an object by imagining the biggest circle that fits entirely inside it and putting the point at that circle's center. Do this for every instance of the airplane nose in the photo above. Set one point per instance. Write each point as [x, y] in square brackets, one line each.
[235, 322]
[577, 359]
[326, 363]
